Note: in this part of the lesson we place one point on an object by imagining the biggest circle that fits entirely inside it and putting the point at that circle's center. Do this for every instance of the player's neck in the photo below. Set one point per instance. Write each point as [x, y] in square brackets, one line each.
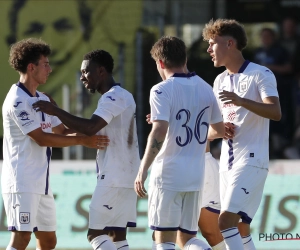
[234, 64]
[170, 72]
[108, 85]
[29, 84]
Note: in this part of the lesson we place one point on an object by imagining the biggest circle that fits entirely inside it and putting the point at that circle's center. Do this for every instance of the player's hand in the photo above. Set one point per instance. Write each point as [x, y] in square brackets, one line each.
[228, 97]
[148, 119]
[229, 130]
[51, 99]
[44, 106]
[95, 141]
[139, 183]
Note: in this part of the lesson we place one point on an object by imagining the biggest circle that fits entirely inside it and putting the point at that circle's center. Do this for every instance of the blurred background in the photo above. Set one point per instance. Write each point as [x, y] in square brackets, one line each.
[128, 29]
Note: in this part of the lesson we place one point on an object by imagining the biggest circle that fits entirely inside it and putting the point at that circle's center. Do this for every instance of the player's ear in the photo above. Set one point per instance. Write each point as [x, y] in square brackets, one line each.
[161, 64]
[230, 43]
[30, 67]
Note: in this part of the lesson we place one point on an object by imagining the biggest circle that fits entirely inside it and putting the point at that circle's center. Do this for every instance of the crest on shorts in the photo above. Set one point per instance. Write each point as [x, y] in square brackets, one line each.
[24, 218]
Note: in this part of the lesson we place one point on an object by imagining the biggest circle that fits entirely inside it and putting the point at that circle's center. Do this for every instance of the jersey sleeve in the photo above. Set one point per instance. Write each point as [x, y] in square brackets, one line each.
[216, 115]
[267, 85]
[24, 115]
[110, 105]
[159, 104]
[216, 94]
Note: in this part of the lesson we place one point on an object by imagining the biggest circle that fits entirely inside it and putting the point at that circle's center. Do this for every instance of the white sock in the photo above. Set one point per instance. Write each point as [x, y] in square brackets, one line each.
[196, 244]
[248, 243]
[232, 238]
[10, 248]
[153, 245]
[122, 245]
[165, 246]
[220, 246]
[103, 242]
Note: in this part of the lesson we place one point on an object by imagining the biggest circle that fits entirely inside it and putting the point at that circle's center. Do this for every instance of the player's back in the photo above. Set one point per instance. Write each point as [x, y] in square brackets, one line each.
[187, 103]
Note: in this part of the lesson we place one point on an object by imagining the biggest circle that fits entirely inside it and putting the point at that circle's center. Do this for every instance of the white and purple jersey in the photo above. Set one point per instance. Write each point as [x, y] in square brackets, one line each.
[187, 102]
[250, 145]
[25, 164]
[118, 164]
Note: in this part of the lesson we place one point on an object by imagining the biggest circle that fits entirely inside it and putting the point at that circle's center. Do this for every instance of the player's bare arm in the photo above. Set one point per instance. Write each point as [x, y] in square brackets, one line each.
[53, 140]
[269, 108]
[82, 125]
[216, 130]
[154, 144]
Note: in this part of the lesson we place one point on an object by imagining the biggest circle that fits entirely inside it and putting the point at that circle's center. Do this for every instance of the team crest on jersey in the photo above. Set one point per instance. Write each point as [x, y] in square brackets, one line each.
[243, 85]
[24, 218]
[24, 115]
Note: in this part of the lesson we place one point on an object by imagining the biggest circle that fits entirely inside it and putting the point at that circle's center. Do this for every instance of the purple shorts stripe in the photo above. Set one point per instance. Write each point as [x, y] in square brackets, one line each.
[187, 231]
[216, 211]
[11, 228]
[164, 228]
[131, 224]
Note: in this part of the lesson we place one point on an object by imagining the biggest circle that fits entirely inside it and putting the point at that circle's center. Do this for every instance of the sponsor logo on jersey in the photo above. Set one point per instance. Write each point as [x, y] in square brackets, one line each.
[45, 125]
[231, 116]
[24, 115]
[227, 105]
[108, 207]
[109, 97]
[245, 190]
[17, 104]
[157, 92]
[24, 218]
[213, 202]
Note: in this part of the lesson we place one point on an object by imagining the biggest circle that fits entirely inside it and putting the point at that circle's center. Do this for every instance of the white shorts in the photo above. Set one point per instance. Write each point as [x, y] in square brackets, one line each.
[172, 210]
[30, 212]
[113, 208]
[241, 190]
[211, 187]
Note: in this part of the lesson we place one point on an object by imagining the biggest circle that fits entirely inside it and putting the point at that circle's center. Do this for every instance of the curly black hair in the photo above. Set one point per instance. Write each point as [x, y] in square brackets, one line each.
[27, 51]
[102, 58]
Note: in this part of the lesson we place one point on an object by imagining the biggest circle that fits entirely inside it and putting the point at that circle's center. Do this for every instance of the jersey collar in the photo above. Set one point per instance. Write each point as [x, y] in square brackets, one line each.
[21, 85]
[188, 75]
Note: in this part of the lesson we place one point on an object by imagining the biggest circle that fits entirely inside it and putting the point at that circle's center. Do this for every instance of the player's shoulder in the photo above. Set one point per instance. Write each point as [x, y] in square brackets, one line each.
[117, 94]
[15, 98]
[257, 70]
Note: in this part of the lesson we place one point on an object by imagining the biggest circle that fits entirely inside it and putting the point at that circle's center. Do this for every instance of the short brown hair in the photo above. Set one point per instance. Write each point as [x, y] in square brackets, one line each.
[27, 51]
[171, 50]
[226, 27]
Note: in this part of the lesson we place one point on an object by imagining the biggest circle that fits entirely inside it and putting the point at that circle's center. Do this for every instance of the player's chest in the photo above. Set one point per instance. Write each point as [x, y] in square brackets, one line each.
[242, 85]
[45, 122]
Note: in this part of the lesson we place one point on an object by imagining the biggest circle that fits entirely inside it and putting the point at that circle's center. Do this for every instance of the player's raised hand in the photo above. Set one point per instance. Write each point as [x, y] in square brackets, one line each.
[95, 141]
[148, 119]
[229, 130]
[44, 106]
[228, 97]
[139, 183]
[51, 99]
